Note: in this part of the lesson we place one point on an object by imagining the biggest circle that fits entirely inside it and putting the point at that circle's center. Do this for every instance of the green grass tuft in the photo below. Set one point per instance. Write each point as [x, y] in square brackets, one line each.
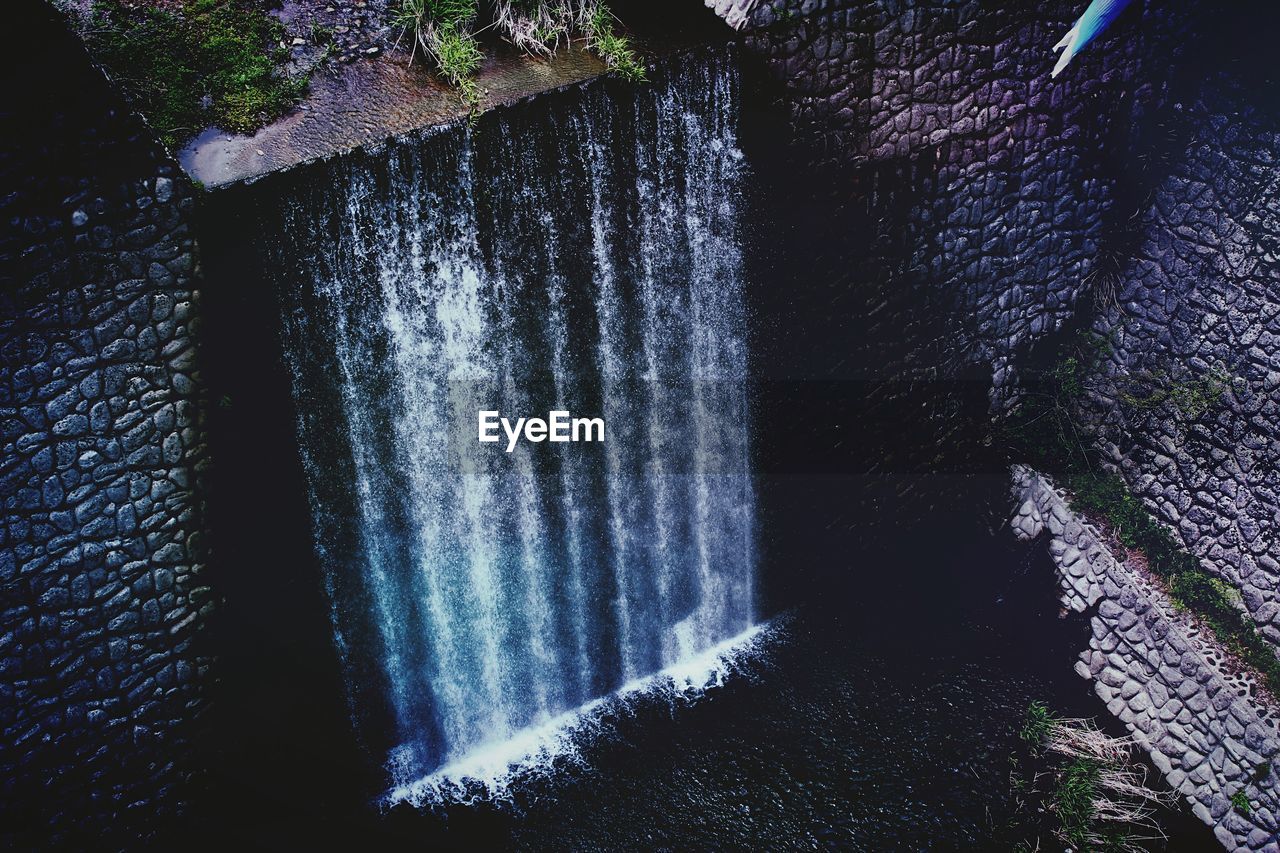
[443, 30]
[1037, 725]
[614, 49]
[1074, 798]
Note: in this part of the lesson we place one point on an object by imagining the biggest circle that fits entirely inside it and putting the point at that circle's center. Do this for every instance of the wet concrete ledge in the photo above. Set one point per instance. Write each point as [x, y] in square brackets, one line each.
[367, 102]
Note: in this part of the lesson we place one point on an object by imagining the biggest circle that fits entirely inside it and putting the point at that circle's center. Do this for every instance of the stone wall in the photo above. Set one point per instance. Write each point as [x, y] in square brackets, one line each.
[1185, 702]
[968, 201]
[941, 206]
[101, 452]
[1197, 307]
[1135, 188]
[1007, 208]
[1014, 172]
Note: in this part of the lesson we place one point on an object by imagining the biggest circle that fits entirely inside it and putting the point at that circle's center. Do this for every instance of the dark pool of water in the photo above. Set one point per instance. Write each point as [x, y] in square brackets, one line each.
[851, 729]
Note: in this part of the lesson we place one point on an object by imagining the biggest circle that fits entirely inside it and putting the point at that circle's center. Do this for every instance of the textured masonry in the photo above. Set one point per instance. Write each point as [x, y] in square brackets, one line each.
[1014, 172]
[101, 453]
[1201, 294]
[1027, 190]
[1199, 719]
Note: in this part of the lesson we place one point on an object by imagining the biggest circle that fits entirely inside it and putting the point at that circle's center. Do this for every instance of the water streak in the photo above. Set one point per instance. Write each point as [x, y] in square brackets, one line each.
[579, 254]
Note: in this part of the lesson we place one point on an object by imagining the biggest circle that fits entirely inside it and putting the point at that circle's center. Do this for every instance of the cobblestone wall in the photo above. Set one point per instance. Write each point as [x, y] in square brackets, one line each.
[978, 195]
[1021, 187]
[1024, 196]
[1197, 312]
[1184, 702]
[101, 452]
[1014, 172]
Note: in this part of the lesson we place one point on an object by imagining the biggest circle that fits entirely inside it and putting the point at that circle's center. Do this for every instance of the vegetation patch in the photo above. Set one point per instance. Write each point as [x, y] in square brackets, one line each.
[445, 31]
[1191, 396]
[196, 63]
[615, 49]
[1081, 787]
[1044, 431]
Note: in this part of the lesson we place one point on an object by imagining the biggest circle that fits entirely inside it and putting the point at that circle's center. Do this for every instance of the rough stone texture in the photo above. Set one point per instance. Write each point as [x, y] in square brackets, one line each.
[1198, 719]
[1015, 188]
[1018, 188]
[736, 13]
[1013, 172]
[101, 450]
[1200, 294]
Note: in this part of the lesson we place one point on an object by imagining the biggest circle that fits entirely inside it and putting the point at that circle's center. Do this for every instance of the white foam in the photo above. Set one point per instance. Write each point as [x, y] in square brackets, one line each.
[488, 771]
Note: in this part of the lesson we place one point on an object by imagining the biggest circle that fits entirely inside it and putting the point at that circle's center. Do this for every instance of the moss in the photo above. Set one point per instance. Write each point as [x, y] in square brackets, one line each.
[1189, 397]
[208, 62]
[1191, 587]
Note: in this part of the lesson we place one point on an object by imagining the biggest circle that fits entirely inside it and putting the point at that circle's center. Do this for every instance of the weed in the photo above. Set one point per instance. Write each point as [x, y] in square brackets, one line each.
[1240, 802]
[1037, 725]
[443, 29]
[1097, 797]
[616, 50]
[537, 26]
[446, 31]
[320, 33]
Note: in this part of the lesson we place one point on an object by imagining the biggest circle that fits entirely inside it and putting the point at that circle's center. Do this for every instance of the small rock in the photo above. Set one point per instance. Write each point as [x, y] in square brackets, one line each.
[299, 40]
[372, 51]
[261, 153]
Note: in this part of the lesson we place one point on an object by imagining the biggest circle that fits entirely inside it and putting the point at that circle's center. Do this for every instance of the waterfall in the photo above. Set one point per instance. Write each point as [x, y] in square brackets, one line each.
[581, 254]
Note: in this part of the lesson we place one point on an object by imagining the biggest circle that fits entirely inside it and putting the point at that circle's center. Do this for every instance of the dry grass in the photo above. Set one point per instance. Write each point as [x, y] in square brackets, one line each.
[1099, 794]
